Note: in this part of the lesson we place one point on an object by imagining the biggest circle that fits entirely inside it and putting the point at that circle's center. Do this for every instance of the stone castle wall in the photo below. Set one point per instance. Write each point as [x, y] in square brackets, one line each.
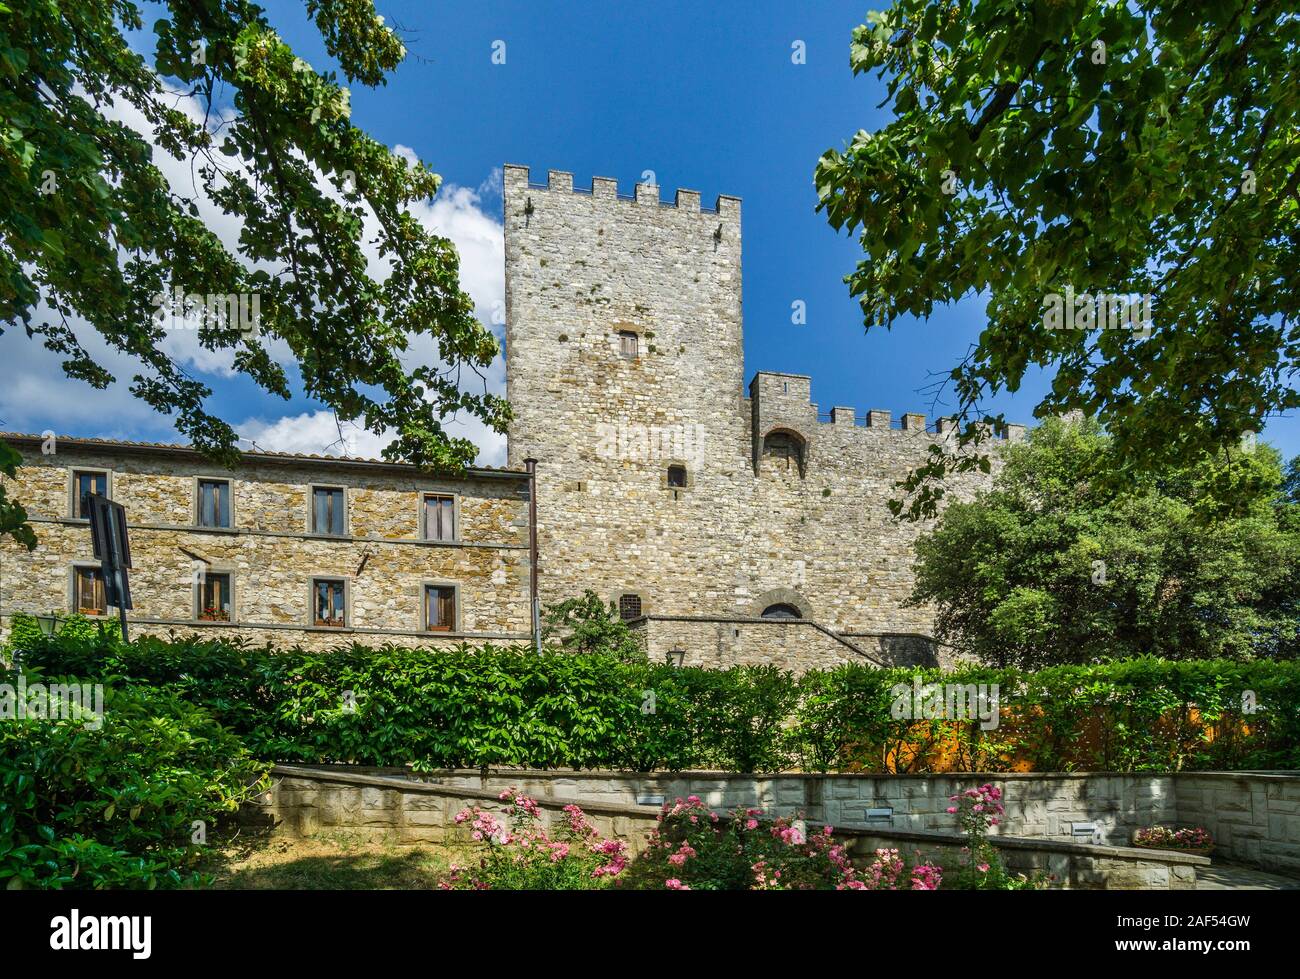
[270, 551]
[582, 267]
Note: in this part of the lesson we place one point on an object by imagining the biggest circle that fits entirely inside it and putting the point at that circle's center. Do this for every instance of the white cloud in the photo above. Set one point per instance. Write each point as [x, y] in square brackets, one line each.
[39, 396]
[320, 433]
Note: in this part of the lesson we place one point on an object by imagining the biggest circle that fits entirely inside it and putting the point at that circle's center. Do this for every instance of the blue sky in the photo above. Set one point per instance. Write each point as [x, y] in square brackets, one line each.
[704, 95]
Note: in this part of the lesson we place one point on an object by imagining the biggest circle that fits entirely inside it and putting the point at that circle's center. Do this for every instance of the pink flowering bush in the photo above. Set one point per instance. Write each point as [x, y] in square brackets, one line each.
[694, 848]
[517, 853]
[981, 868]
[889, 872]
[1164, 838]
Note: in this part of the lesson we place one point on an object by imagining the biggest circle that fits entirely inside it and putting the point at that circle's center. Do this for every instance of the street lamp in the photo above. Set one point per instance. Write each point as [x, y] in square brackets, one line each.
[49, 624]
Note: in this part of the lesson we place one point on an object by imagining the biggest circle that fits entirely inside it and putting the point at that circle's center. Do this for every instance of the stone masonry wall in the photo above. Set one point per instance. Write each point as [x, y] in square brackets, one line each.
[1254, 817]
[387, 805]
[583, 267]
[269, 550]
[791, 644]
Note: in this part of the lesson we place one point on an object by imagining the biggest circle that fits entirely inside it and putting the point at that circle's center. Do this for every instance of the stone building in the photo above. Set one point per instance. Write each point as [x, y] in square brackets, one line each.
[730, 523]
[289, 549]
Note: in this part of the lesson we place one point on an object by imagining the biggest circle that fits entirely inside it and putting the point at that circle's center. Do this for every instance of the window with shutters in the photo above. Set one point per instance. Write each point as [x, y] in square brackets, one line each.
[439, 517]
[85, 482]
[329, 511]
[329, 602]
[440, 608]
[213, 503]
[629, 346]
[629, 606]
[88, 591]
[214, 598]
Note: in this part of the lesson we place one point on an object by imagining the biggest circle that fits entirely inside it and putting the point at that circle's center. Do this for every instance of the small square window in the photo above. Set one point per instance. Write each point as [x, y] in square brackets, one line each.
[439, 517]
[439, 608]
[83, 484]
[214, 598]
[214, 503]
[628, 345]
[88, 592]
[329, 603]
[629, 607]
[677, 477]
[328, 511]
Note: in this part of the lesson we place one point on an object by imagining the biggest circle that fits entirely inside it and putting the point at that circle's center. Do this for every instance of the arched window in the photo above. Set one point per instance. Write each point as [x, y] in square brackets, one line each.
[629, 606]
[782, 611]
[783, 452]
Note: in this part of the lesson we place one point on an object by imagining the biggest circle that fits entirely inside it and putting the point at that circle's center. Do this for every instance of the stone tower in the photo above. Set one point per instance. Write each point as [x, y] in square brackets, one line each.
[623, 357]
[709, 507]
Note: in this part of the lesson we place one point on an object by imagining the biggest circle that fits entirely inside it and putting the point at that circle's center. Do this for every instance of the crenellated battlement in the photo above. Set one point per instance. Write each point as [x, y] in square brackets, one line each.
[518, 179]
[783, 403]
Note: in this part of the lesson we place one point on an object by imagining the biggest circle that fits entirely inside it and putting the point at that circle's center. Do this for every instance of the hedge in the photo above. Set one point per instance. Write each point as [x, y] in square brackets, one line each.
[507, 706]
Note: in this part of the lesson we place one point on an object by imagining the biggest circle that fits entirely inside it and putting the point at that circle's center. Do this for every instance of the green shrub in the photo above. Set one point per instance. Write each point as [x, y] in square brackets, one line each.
[503, 706]
[116, 806]
[24, 630]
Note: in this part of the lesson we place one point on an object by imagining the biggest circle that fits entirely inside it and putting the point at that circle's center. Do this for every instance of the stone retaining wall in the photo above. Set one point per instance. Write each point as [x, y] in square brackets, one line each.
[1253, 816]
[390, 805]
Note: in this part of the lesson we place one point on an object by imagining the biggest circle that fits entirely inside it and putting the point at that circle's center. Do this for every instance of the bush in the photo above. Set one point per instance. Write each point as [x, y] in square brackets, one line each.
[981, 867]
[116, 807]
[517, 854]
[506, 706]
[693, 849]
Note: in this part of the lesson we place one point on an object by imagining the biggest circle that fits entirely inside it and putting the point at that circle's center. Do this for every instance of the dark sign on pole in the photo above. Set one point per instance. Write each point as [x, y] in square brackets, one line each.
[109, 540]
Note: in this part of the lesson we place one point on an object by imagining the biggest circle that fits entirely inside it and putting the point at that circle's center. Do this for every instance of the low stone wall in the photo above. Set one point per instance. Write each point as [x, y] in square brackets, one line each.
[1253, 816]
[390, 805]
[1074, 866]
[719, 643]
[308, 801]
[792, 644]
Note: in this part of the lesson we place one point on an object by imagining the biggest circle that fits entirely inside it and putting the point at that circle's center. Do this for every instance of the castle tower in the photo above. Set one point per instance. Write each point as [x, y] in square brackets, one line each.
[736, 523]
[623, 361]
[585, 268]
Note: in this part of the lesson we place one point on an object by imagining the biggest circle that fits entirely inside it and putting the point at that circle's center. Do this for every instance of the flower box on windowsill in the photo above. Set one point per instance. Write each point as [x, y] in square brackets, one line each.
[214, 615]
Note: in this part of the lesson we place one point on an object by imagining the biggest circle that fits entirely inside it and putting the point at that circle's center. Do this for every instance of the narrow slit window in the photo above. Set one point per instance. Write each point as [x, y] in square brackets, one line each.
[329, 599]
[439, 608]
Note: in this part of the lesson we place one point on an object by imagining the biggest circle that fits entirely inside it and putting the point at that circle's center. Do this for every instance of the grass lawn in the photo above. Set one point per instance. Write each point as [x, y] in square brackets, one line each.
[323, 863]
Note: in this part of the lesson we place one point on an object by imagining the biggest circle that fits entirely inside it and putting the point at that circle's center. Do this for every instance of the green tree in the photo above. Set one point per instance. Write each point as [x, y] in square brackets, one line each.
[589, 624]
[91, 227]
[1038, 148]
[1054, 566]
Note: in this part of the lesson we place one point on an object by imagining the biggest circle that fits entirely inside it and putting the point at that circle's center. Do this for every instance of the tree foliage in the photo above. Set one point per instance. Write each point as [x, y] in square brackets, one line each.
[1145, 148]
[92, 229]
[1054, 566]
